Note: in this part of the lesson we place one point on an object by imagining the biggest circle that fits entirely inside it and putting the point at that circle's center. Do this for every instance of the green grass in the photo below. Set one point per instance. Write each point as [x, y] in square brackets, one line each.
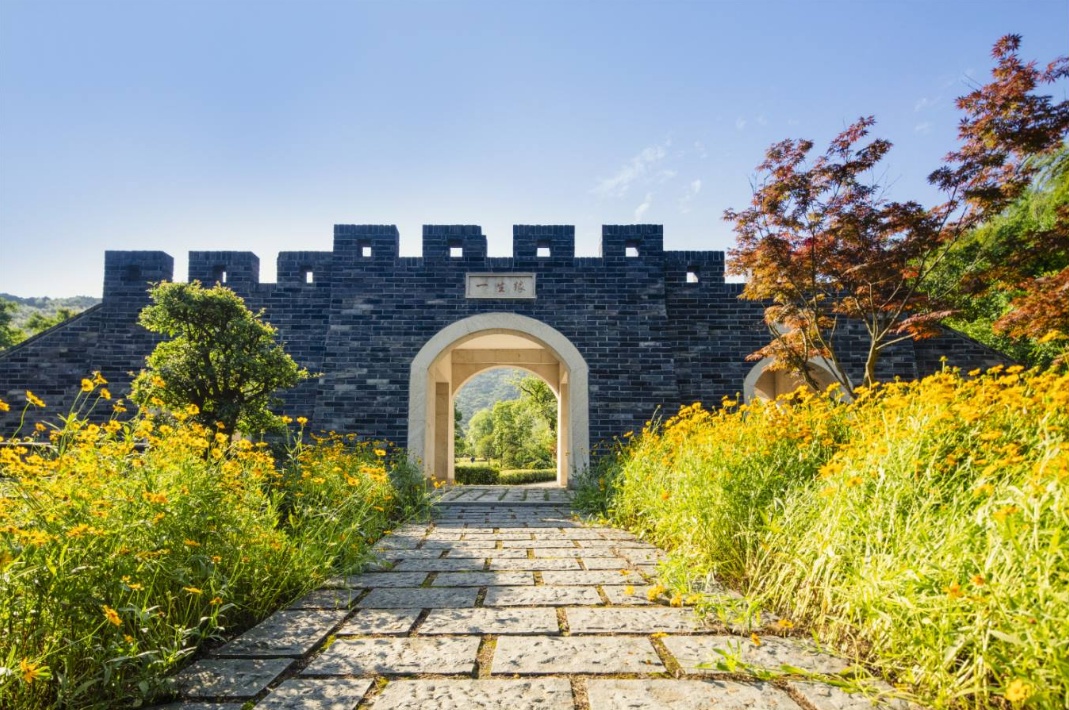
[922, 529]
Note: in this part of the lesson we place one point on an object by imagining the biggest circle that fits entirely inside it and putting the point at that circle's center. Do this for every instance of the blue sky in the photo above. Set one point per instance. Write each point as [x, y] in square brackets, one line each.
[241, 125]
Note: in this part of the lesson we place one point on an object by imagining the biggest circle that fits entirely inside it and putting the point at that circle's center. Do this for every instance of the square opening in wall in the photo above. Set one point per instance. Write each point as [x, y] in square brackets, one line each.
[631, 248]
[542, 250]
[307, 275]
[692, 274]
[219, 274]
[456, 250]
[365, 250]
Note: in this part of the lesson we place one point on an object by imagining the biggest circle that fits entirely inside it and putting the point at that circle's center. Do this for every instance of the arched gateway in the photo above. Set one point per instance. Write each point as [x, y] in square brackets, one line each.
[619, 337]
[463, 349]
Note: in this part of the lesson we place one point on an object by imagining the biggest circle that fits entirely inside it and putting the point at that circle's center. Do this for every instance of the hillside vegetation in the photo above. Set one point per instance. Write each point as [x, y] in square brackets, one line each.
[921, 529]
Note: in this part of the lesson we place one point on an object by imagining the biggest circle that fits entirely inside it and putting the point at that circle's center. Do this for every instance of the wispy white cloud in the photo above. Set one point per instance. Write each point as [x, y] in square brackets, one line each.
[700, 149]
[689, 193]
[922, 104]
[740, 123]
[644, 207]
[923, 127]
[637, 169]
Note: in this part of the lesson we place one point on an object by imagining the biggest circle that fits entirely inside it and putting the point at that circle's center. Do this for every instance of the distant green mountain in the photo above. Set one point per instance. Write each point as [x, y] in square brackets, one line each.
[486, 388]
[45, 306]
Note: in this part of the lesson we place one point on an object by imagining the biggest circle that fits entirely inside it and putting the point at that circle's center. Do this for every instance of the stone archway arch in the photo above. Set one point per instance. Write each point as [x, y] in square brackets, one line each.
[767, 384]
[431, 389]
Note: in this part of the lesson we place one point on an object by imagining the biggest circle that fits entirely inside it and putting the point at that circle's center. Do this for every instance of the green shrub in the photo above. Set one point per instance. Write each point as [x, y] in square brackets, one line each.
[476, 474]
[517, 476]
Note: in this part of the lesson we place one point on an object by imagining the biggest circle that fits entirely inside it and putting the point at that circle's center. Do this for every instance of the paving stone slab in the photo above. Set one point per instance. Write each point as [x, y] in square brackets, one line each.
[541, 596]
[482, 579]
[421, 554]
[637, 555]
[486, 620]
[629, 595]
[535, 693]
[445, 564]
[497, 553]
[422, 597]
[372, 580]
[607, 563]
[528, 543]
[574, 654]
[327, 599]
[380, 621]
[657, 694]
[591, 577]
[693, 651]
[316, 694]
[829, 697]
[285, 633]
[637, 620]
[415, 654]
[179, 705]
[237, 678]
[460, 544]
[533, 564]
[584, 552]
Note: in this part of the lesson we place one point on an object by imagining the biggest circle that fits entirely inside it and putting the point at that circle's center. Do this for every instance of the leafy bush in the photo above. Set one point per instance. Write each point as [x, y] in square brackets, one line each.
[517, 476]
[921, 528]
[476, 474]
[125, 545]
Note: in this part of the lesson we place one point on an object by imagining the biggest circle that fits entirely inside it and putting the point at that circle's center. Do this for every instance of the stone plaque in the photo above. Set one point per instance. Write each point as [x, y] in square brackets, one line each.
[500, 286]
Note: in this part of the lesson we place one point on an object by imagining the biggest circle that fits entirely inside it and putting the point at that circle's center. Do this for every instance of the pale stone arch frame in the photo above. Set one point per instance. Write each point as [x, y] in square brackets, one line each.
[749, 384]
[573, 398]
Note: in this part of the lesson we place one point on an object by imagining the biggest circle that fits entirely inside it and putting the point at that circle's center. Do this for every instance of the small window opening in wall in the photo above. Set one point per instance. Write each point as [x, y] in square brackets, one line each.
[365, 250]
[456, 251]
[692, 274]
[132, 273]
[220, 274]
[631, 249]
[542, 250]
[307, 275]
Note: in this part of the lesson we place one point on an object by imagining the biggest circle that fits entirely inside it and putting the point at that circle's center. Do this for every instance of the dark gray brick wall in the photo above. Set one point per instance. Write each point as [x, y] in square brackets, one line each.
[359, 314]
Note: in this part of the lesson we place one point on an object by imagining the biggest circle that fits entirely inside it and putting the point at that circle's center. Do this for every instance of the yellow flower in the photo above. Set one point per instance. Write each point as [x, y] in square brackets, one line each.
[1018, 690]
[39, 427]
[785, 624]
[111, 615]
[34, 399]
[954, 591]
[193, 590]
[629, 590]
[676, 600]
[302, 421]
[978, 580]
[32, 671]
[755, 639]
[98, 379]
[87, 385]
[128, 638]
[380, 452]
[104, 394]
[4, 406]
[216, 601]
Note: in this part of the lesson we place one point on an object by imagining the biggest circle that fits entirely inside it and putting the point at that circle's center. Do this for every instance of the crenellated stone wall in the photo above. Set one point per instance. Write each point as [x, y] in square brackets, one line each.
[656, 328]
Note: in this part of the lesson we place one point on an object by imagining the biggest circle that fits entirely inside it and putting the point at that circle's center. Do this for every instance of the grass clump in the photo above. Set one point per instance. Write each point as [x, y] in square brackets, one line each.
[519, 476]
[125, 545]
[476, 474]
[921, 528]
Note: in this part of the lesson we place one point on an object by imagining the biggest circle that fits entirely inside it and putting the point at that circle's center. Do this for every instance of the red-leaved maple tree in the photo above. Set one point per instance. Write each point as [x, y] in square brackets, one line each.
[823, 246]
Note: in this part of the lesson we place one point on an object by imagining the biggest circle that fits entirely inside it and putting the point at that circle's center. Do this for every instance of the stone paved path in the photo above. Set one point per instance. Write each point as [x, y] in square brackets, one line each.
[504, 601]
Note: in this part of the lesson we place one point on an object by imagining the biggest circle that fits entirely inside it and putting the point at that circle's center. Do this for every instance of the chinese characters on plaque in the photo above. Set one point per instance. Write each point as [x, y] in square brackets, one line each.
[500, 286]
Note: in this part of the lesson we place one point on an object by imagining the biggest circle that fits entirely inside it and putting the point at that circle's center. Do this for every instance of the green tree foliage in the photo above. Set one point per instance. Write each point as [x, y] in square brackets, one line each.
[519, 433]
[9, 334]
[460, 441]
[38, 322]
[220, 357]
[987, 273]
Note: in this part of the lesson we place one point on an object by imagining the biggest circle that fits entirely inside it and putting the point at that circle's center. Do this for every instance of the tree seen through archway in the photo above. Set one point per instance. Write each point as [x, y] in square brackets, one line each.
[512, 422]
